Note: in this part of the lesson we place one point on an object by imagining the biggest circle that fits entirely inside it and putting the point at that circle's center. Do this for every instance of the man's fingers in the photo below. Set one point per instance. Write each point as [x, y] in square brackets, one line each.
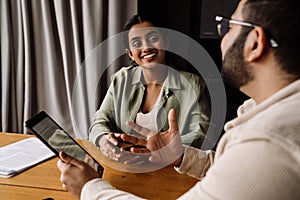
[173, 127]
[134, 140]
[137, 160]
[139, 129]
[69, 159]
[65, 157]
[139, 150]
[155, 159]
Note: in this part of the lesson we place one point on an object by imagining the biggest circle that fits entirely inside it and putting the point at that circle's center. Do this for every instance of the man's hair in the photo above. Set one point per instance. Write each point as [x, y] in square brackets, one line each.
[280, 19]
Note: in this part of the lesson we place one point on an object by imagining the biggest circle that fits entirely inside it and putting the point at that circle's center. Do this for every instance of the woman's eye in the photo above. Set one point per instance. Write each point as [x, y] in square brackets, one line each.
[136, 44]
[153, 38]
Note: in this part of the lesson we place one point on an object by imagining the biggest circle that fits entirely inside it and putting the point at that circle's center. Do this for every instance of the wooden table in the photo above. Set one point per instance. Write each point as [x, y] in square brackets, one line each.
[42, 181]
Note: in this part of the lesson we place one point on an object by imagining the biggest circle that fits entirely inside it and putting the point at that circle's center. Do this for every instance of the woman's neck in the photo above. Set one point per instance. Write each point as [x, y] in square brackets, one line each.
[155, 75]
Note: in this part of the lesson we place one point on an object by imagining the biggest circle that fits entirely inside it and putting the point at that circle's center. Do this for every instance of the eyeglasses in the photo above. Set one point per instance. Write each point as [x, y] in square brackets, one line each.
[224, 26]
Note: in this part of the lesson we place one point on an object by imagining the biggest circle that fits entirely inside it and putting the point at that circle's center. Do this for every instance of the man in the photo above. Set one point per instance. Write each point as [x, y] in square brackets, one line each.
[259, 155]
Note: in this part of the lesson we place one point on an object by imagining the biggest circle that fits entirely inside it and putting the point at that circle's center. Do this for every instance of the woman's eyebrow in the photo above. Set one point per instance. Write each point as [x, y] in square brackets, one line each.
[135, 38]
[153, 32]
[147, 35]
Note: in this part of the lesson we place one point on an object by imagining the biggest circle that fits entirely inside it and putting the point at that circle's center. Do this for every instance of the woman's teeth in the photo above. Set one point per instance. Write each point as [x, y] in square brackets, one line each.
[149, 56]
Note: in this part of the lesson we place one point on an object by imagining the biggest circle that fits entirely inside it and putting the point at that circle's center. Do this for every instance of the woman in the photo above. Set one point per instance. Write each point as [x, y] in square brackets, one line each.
[145, 91]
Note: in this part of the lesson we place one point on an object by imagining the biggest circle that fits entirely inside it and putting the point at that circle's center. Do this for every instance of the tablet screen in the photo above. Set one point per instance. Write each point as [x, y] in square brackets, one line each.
[55, 138]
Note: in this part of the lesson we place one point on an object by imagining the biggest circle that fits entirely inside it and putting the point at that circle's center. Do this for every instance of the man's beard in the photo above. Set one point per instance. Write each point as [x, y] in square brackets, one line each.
[235, 70]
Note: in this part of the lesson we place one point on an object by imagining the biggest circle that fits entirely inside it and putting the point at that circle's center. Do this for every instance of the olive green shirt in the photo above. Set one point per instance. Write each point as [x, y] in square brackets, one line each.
[182, 91]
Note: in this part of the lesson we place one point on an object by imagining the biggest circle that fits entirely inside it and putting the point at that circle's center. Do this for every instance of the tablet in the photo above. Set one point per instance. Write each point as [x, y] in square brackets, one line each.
[56, 139]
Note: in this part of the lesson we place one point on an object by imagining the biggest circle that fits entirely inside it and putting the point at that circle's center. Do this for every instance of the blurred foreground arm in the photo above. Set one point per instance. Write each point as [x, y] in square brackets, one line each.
[82, 180]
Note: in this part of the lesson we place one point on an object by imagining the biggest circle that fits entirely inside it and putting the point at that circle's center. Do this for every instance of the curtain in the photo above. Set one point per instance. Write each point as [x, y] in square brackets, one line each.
[44, 49]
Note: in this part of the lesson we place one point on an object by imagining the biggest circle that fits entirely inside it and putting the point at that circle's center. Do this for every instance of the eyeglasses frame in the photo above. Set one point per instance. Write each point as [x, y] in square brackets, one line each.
[219, 19]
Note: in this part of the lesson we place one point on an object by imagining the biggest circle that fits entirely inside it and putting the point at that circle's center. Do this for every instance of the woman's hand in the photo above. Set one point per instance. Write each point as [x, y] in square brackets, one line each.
[109, 146]
[74, 173]
[113, 147]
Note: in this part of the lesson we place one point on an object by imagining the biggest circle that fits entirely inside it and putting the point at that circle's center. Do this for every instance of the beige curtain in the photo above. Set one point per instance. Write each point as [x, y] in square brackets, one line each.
[44, 46]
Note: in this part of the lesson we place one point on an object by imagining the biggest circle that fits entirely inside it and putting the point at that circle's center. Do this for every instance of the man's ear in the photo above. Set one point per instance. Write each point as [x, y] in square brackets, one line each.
[255, 44]
[129, 53]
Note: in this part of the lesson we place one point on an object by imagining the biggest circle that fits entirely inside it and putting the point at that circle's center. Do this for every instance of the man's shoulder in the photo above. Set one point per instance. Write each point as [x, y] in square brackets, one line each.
[278, 123]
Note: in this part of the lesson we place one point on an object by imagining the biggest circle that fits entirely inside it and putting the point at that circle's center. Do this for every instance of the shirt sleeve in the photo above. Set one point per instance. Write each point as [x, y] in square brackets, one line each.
[97, 189]
[195, 162]
[103, 121]
[250, 170]
[194, 117]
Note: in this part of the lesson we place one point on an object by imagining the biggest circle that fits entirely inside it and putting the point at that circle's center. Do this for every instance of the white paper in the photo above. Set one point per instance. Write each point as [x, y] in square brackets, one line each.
[20, 155]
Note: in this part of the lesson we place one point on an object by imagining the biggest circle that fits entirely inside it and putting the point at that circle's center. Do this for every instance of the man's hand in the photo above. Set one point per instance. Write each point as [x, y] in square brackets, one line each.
[74, 173]
[164, 147]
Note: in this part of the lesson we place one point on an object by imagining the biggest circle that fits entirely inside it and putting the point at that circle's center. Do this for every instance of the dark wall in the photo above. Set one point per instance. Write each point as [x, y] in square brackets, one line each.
[173, 14]
[191, 17]
[209, 9]
[195, 18]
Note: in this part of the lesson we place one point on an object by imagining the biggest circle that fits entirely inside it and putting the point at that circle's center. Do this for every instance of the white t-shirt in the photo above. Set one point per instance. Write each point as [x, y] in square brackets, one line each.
[149, 120]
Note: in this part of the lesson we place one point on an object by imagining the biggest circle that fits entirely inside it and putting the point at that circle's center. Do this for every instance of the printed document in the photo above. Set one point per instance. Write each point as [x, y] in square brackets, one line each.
[18, 156]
